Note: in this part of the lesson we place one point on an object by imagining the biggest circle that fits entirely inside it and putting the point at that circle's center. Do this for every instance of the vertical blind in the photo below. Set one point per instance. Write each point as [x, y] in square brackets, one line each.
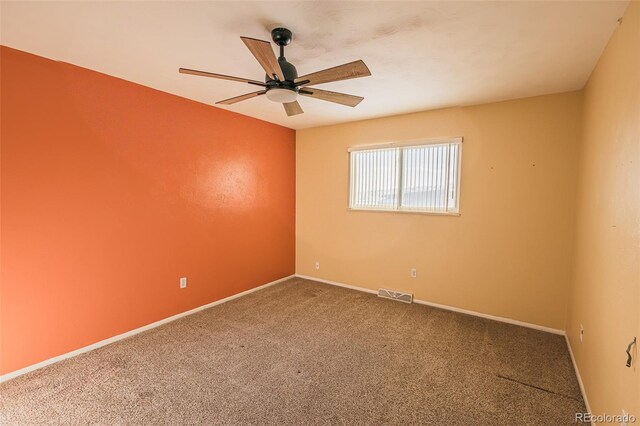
[420, 178]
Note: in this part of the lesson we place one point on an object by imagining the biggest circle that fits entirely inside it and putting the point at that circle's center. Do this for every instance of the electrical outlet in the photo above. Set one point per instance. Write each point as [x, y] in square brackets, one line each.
[414, 273]
[317, 265]
[183, 282]
[581, 333]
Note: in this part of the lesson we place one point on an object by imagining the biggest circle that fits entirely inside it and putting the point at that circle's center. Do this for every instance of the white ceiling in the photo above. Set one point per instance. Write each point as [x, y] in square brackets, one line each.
[422, 55]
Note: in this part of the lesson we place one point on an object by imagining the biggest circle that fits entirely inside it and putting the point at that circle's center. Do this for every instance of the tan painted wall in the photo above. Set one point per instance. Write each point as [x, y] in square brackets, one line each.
[605, 294]
[508, 254]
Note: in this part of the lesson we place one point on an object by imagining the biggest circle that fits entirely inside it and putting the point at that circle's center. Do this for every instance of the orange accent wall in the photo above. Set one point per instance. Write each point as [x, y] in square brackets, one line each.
[112, 191]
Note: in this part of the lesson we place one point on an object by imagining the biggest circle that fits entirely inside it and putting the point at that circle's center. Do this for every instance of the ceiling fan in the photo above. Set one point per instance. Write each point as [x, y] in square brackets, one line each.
[282, 84]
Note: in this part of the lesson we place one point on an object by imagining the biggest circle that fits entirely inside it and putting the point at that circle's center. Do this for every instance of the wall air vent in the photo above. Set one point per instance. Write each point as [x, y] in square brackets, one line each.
[395, 295]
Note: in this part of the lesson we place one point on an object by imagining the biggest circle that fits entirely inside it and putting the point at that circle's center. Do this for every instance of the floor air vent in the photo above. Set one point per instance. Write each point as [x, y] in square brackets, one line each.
[395, 295]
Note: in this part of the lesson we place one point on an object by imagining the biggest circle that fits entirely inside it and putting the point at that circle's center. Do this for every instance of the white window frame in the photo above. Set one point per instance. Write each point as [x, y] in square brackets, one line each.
[409, 144]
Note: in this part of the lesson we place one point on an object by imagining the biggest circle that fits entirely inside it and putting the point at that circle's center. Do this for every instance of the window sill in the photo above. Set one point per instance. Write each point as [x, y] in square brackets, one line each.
[405, 211]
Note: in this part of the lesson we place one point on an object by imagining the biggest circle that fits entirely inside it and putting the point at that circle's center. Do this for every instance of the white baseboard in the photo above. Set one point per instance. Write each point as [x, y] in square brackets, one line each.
[445, 307]
[113, 339]
[492, 317]
[575, 367]
[352, 287]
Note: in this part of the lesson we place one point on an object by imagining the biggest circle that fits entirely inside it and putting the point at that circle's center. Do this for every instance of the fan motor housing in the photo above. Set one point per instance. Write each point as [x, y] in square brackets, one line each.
[289, 71]
[272, 84]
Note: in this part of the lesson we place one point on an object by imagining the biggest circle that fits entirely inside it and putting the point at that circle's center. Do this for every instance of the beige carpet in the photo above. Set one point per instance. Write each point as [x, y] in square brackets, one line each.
[300, 353]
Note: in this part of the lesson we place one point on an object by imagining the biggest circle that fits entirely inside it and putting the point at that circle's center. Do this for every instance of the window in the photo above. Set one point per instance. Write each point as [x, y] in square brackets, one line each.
[406, 177]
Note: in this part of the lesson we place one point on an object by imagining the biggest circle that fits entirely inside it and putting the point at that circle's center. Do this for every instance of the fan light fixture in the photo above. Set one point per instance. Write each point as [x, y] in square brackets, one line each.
[283, 96]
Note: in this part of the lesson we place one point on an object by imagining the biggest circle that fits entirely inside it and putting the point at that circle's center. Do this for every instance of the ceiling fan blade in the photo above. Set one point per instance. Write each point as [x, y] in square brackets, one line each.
[231, 101]
[293, 108]
[325, 95]
[264, 54]
[341, 72]
[220, 76]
